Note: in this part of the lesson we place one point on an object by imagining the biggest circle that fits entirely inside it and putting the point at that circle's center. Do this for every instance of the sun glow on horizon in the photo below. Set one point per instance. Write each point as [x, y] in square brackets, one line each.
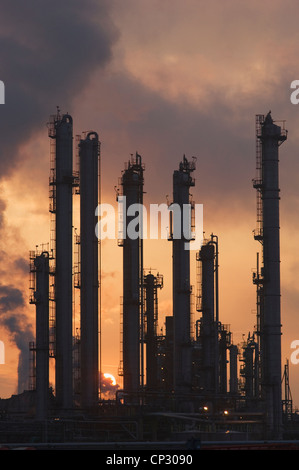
[110, 376]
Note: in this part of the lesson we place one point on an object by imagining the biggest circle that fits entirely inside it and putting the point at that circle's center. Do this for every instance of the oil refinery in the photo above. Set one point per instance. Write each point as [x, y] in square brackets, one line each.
[188, 386]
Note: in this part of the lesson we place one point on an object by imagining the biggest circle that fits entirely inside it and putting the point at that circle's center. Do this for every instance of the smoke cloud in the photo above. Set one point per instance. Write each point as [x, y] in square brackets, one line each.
[21, 332]
[48, 52]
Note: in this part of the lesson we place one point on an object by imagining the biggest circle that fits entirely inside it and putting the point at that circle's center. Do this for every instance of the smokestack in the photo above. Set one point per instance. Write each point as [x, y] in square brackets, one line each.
[89, 199]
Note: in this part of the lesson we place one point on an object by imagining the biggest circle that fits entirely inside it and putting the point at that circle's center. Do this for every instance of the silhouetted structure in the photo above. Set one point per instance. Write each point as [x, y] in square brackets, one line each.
[151, 285]
[269, 137]
[201, 372]
[89, 148]
[181, 236]
[39, 267]
[62, 180]
[132, 242]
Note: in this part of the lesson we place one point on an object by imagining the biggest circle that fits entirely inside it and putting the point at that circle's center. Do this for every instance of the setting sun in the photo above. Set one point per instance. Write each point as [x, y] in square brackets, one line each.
[110, 376]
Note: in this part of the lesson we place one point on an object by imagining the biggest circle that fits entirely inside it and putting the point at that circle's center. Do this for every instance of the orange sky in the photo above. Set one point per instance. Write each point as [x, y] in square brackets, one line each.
[184, 77]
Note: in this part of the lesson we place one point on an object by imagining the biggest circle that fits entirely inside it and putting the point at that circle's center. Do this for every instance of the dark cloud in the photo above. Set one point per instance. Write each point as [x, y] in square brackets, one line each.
[48, 52]
[163, 131]
[22, 264]
[10, 298]
[221, 136]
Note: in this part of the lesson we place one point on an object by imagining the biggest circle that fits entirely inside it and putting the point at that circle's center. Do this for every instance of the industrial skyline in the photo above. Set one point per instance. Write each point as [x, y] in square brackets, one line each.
[167, 106]
[191, 366]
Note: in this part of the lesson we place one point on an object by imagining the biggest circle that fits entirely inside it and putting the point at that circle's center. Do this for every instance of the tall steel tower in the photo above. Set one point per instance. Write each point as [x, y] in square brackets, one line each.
[180, 237]
[269, 137]
[132, 198]
[208, 259]
[39, 267]
[61, 187]
[89, 154]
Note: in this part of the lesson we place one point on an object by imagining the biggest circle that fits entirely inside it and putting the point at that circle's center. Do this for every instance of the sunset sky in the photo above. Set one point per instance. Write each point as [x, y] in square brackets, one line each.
[164, 78]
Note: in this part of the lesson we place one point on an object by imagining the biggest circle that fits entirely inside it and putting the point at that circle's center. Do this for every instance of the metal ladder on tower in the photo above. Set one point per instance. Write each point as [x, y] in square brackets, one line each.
[257, 182]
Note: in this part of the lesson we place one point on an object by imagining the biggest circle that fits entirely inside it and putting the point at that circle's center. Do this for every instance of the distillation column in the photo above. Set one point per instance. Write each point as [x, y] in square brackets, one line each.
[132, 193]
[89, 253]
[208, 326]
[40, 268]
[182, 181]
[271, 137]
[61, 129]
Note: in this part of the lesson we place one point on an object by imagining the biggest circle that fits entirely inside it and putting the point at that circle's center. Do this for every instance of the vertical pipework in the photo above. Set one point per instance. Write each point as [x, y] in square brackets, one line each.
[168, 368]
[151, 333]
[182, 181]
[41, 300]
[271, 137]
[233, 369]
[89, 199]
[151, 284]
[248, 371]
[132, 193]
[63, 135]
